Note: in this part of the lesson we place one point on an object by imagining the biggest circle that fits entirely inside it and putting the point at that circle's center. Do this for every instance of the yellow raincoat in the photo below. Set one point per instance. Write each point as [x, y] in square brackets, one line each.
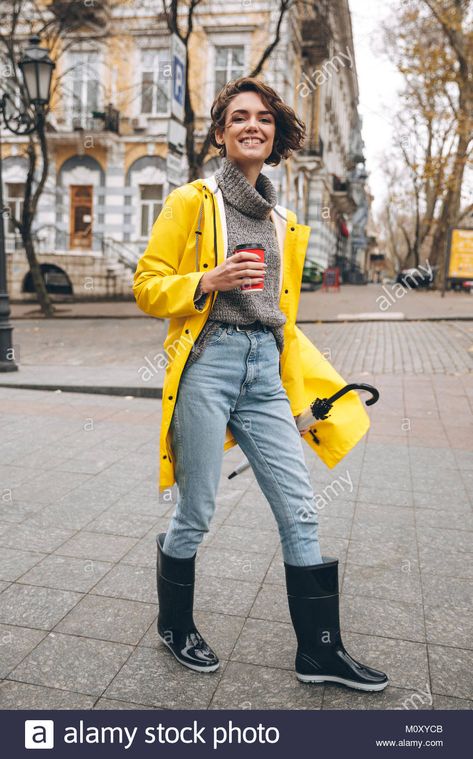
[164, 286]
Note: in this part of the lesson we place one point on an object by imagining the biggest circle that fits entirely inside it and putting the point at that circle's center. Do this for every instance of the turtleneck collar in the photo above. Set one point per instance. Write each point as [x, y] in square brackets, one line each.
[238, 192]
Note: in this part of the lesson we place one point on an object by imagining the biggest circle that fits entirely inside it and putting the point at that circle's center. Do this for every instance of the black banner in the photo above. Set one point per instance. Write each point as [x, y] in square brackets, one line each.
[235, 733]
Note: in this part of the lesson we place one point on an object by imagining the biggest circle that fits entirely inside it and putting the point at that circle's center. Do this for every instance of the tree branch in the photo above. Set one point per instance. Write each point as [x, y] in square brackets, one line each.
[455, 39]
[283, 8]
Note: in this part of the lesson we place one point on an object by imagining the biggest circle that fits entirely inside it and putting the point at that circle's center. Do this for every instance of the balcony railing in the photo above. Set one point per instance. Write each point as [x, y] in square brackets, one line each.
[13, 242]
[316, 35]
[314, 148]
[338, 185]
[98, 121]
[110, 118]
[342, 195]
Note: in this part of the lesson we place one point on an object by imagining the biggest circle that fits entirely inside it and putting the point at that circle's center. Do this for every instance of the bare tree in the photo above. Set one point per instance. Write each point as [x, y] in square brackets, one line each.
[18, 21]
[395, 219]
[425, 125]
[454, 18]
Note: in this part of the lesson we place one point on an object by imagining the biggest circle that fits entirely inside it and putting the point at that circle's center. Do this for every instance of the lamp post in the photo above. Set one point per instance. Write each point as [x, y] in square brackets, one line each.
[36, 68]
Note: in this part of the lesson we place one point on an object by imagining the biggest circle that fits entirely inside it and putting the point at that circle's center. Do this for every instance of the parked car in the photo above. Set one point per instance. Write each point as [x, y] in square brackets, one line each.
[413, 278]
[311, 276]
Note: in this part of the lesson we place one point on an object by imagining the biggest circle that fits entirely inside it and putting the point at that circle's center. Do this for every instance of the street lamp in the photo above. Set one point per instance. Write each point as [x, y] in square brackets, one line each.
[37, 68]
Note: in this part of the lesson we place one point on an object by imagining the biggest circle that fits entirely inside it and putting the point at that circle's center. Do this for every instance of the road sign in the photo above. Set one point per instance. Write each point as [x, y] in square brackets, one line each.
[175, 168]
[177, 135]
[178, 52]
[460, 259]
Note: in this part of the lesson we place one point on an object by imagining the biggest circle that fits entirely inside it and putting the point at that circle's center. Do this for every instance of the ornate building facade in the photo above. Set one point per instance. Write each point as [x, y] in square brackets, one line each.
[108, 136]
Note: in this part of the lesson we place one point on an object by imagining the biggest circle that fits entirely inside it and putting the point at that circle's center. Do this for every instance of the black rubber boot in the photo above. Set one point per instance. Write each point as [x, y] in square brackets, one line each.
[176, 628]
[313, 602]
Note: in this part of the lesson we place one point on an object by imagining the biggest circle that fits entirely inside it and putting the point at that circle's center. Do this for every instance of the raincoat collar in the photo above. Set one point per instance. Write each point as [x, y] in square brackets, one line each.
[278, 216]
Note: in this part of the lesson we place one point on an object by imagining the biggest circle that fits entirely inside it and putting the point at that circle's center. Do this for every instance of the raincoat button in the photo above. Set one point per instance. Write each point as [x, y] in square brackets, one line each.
[205, 266]
[286, 291]
[164, 457]
[292, 229]
[187, 331]
[170, 398]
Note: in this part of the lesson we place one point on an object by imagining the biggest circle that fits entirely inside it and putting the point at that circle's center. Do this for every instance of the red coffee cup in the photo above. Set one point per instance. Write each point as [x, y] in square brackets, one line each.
[252, 247]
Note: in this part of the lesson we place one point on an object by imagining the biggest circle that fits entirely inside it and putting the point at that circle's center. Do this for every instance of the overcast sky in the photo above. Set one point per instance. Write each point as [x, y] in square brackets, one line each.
[379, 83]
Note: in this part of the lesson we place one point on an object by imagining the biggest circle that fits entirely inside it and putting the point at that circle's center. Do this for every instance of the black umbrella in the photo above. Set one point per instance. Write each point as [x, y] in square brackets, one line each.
[319, 409]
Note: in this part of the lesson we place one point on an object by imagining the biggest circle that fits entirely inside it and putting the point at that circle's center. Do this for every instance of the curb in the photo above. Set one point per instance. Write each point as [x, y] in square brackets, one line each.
[136, 392]
[355, 320]
[298, 321]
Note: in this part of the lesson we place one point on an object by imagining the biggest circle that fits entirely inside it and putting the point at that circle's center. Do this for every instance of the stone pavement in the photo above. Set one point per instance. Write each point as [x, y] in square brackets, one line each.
[371, 302]
[351, 301]
[125, 356]
[79, 513]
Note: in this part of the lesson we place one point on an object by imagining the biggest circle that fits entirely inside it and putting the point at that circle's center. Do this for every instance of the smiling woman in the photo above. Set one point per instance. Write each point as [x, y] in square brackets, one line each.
[224, 264]
[248, 115]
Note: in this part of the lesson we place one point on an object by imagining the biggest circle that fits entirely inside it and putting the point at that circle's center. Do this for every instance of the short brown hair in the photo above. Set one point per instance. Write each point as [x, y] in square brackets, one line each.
[290, 130]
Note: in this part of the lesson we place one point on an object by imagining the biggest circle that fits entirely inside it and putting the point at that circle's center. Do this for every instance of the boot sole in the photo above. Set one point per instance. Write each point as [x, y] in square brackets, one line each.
[341, 681]
[193, 667]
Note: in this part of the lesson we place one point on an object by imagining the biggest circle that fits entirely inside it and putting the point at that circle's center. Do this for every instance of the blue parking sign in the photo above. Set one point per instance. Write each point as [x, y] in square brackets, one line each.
[178, 58]
[178, 79]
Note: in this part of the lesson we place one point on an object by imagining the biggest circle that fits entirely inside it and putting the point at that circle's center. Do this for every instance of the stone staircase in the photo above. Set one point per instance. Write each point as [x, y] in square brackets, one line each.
[105, 273]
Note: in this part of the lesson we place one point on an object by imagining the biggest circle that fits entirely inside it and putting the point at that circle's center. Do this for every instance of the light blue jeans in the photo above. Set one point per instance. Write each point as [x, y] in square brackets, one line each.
[236, 381]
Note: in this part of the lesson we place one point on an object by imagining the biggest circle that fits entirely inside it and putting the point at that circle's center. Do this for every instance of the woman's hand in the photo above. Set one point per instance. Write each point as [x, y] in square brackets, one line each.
[302, 432]
[235, 271]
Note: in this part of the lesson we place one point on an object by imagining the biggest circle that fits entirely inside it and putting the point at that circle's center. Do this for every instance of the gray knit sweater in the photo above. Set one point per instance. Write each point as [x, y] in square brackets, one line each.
[247, 210]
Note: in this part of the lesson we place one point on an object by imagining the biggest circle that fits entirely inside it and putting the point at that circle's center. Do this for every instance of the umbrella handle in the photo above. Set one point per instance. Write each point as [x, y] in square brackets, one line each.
[355, 386]
[321, 407]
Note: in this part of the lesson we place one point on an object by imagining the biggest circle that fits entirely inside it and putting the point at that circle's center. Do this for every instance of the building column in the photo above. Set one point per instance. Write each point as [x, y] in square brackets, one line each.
[111, 203]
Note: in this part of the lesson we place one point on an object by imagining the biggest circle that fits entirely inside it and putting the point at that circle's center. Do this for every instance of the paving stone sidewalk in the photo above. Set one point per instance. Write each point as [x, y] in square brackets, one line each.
[125, 356]
[79, 513]
[372, 300]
